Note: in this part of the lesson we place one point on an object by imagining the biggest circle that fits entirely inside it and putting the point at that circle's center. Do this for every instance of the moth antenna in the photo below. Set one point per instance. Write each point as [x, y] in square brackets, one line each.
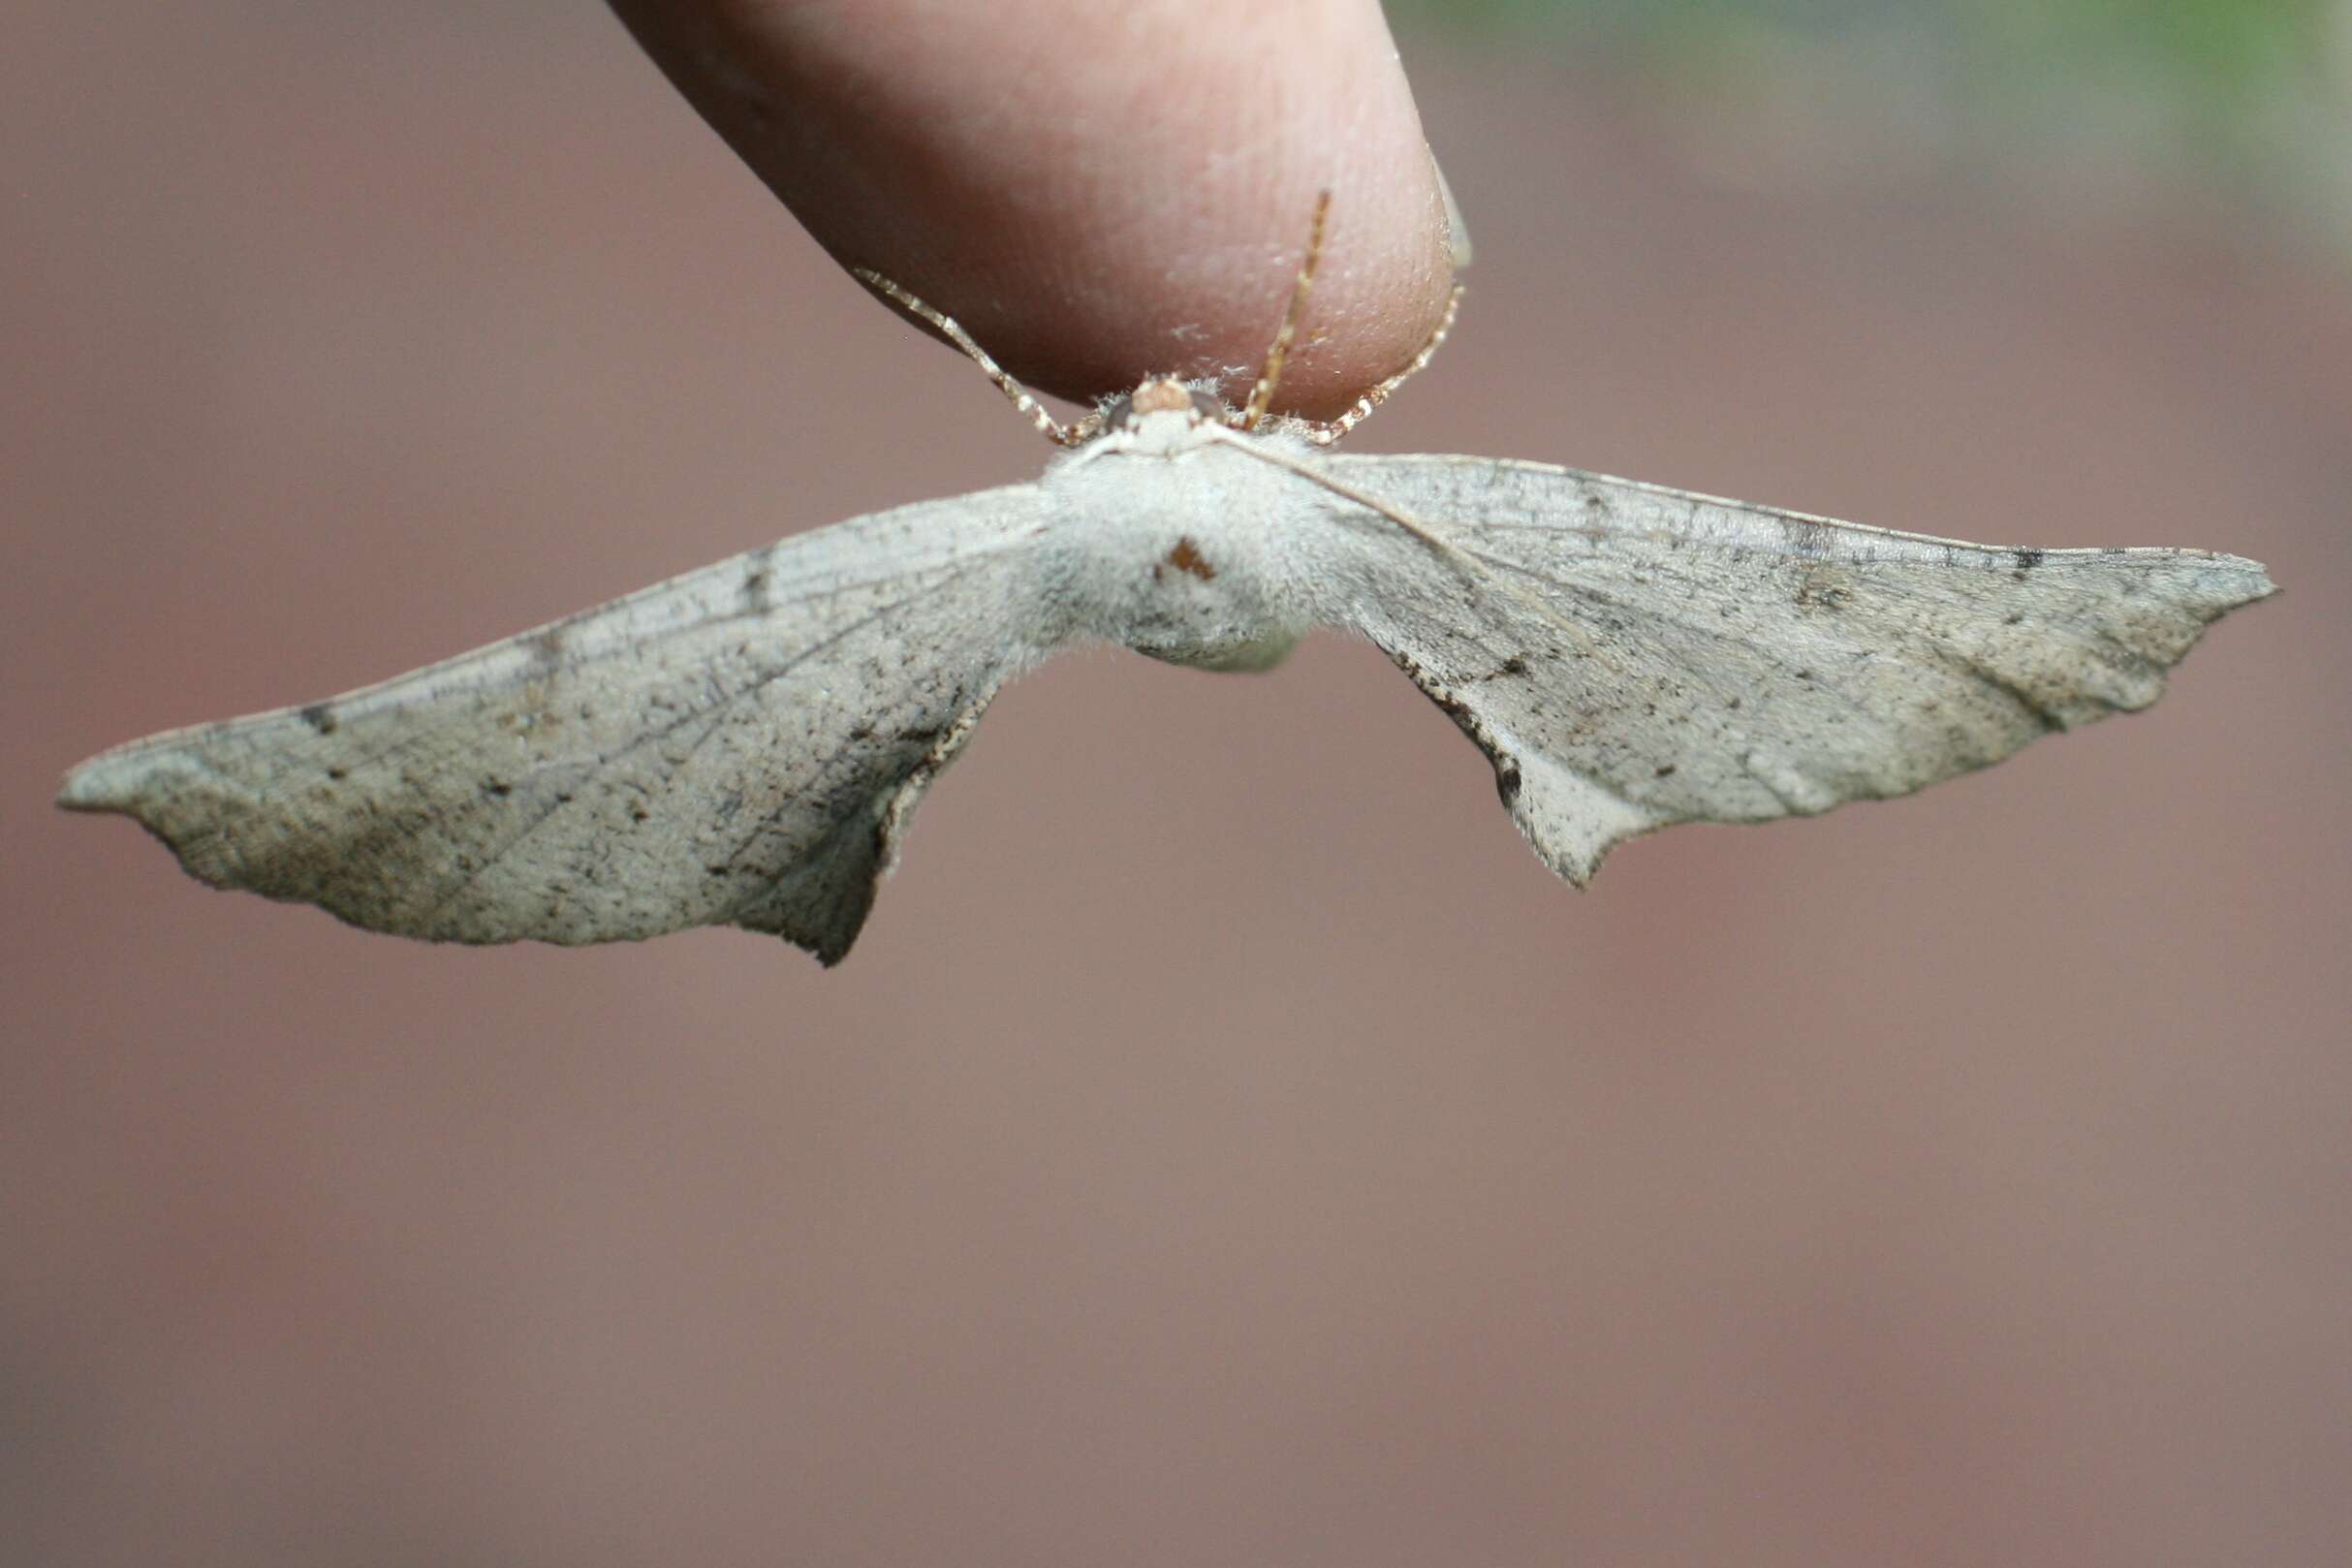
[1323, 433]
[1261, 396]
[1021, 398]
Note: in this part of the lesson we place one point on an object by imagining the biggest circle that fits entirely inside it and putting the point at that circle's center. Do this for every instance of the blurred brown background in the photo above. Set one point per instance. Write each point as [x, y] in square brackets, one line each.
[1226, 1144]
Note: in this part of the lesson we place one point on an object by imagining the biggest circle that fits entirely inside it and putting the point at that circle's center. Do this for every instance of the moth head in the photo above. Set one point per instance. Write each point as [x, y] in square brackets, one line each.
[1164, 394]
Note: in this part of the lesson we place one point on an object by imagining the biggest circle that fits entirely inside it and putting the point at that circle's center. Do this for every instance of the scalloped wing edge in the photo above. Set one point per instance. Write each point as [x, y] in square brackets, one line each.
[820, 902]
[1568, 820]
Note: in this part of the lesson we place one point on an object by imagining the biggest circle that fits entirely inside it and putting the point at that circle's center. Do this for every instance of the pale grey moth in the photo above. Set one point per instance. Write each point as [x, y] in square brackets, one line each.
[743, 745]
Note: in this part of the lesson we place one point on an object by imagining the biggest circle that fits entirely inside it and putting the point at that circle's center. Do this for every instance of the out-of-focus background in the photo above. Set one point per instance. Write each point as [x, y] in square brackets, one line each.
[1226, 1144]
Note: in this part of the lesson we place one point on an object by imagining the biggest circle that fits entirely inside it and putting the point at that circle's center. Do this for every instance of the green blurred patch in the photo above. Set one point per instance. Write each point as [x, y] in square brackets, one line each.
[2232, 88]
[2227, 47]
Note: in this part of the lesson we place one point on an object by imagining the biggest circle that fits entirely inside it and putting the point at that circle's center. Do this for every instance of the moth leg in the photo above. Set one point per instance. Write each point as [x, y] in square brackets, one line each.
[1262, 395]
[1021, 398]
[1323, 433]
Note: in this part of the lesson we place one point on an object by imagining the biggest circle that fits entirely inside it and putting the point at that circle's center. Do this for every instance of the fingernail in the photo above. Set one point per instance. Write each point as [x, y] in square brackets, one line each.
[1457, 234]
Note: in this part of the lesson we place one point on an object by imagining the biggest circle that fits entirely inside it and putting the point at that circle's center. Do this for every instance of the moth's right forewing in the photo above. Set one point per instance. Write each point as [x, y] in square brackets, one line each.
[1632, 656]
[741, 744]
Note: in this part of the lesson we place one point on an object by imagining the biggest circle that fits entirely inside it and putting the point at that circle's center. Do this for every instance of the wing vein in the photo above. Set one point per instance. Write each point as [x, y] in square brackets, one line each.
[717, 710]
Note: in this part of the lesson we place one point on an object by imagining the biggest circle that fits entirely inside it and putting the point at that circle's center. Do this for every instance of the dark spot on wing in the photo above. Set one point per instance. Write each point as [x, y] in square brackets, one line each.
[1665, 769]
[497, 787]
[1515, 666]
[1186, 557]
[755, 589]
[2028, 559]
[320, 718]
[1824, 587]
[1506, 781]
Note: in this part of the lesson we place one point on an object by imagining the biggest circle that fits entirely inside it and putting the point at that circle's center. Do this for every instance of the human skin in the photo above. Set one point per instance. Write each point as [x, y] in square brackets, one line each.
[1097, 192]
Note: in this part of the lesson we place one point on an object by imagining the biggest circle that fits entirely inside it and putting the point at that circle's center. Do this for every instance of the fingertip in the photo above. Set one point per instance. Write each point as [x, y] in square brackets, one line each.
[1178, 252]
[1097, 196]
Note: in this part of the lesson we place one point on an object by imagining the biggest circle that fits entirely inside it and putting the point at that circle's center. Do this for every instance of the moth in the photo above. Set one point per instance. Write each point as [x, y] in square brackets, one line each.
[745, 744]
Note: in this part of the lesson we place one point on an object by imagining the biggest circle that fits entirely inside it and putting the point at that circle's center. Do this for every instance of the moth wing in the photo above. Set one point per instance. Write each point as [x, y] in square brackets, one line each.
[1631, 656]
[740, 745]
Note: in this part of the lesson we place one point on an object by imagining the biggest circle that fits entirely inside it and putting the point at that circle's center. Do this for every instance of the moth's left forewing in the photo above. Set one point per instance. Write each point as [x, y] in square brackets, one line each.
[1632, 656]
